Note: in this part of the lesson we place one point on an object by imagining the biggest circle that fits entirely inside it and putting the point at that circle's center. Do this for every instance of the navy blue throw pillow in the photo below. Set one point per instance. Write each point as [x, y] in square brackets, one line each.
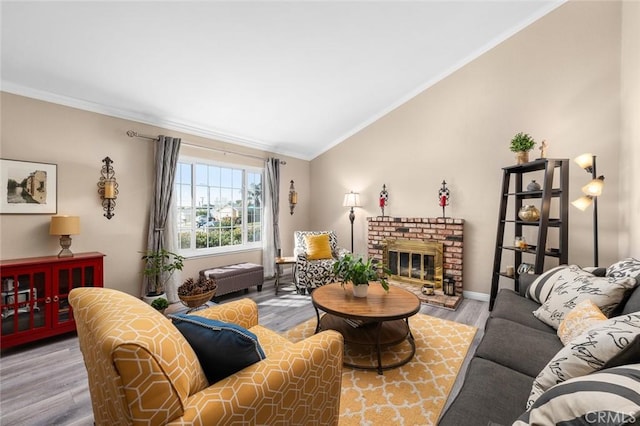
[222, 348]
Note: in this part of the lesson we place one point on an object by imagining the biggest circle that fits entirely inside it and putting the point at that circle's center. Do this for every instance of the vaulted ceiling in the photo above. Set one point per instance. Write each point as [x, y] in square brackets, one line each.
[294, 78]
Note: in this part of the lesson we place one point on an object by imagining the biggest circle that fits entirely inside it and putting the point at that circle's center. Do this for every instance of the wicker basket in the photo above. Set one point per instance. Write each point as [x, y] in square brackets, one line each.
[198, 299]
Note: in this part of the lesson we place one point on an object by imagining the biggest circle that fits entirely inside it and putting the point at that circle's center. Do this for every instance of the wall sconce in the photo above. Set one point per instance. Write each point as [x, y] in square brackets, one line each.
[591, 191]
[293, 197]
[108, 188]
[65, 226]
[351, 199]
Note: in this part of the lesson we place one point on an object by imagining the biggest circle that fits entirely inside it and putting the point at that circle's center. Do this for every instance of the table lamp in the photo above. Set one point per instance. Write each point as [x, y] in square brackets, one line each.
[65, 226]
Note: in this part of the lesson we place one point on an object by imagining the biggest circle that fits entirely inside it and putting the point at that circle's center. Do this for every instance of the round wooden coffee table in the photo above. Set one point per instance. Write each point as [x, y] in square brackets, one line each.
[380, 320]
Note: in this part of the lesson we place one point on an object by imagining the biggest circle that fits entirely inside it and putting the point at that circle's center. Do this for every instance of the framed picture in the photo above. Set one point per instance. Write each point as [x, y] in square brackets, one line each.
[28, 188]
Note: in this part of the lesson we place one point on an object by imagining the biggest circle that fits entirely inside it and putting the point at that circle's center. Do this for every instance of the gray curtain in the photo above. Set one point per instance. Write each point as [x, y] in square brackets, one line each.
[271, 230]
[159, 234]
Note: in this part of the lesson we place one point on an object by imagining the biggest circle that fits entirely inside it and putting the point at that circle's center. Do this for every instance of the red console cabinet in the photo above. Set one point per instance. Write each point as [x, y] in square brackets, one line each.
[34, 301]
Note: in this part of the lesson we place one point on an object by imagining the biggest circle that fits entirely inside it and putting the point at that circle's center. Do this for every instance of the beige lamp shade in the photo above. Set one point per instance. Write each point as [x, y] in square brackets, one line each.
[351, 199]
[64, 225]
[594, 188]
[583, 202]
[585, 160]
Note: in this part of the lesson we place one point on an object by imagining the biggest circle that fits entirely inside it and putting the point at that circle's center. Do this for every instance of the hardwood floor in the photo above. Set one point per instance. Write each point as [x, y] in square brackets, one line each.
[45, 383]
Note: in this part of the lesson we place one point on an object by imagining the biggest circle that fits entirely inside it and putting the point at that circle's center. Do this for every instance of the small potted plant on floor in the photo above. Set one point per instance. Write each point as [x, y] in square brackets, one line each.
[160, 304]
[159, 267]
[521, 144]
[360, 273]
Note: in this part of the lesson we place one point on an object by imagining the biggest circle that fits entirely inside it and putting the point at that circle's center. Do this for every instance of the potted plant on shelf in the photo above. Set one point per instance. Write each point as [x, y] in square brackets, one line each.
[360, 273]
[159, 267]
[194, 293]
[521, 144]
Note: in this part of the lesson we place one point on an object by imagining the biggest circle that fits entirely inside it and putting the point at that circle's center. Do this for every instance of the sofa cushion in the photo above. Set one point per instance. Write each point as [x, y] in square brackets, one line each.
[574, 285]
[318, 247]
[518, 347]
[222, 348]
[632, 303]
[491, 393]
[587, 352]
[513, 307]
[629, 267]
[609, 396]
[541, 287]
[585, 315]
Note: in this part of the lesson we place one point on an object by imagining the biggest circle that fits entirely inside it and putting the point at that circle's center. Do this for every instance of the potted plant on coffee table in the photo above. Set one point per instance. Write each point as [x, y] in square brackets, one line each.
[360, 273]
[521, 144]
[159, 267]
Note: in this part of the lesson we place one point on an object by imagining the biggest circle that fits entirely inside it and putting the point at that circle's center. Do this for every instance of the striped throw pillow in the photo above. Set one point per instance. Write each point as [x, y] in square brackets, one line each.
[606, 397]
[539, 289]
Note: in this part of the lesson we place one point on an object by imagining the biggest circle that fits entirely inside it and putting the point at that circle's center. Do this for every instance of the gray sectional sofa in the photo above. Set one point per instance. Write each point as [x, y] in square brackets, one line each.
[516, 346]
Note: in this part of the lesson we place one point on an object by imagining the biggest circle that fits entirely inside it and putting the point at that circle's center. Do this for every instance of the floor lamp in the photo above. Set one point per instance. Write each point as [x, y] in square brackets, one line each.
[591, 191]
[351, 199]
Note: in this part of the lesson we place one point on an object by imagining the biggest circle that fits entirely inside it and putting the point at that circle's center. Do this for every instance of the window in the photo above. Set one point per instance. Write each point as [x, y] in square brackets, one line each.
[219, 207]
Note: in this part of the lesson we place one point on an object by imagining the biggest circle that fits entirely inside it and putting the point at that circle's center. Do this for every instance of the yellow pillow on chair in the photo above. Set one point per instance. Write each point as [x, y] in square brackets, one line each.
[318, 247]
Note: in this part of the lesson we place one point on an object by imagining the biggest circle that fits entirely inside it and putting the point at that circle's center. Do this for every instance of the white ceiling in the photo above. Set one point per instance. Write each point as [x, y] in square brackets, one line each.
[294, 78]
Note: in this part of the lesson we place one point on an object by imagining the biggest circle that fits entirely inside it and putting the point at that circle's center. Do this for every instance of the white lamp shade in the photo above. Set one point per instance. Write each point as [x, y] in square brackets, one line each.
[594, 188]
[585, 160]
[583, 202]
[64, 225]
[351, 199]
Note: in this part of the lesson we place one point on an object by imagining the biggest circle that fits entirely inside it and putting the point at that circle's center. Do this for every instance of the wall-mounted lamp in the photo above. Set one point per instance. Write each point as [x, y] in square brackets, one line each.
[351, 199]
[108, 188]
[591, 191]
[65, 226]
[293, 197]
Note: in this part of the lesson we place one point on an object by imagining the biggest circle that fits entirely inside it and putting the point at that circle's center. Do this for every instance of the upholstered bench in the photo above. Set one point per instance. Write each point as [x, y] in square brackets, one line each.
[239, 276]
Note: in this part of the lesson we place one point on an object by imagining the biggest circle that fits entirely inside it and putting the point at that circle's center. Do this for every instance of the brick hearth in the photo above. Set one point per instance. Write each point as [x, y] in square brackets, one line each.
[448, 231]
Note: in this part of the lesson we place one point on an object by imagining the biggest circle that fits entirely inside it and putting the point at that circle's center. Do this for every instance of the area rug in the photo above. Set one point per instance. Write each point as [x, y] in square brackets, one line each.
[413, 394]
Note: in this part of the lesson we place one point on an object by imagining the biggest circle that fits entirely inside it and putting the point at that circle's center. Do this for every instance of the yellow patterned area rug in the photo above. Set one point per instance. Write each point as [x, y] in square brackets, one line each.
[413, 394]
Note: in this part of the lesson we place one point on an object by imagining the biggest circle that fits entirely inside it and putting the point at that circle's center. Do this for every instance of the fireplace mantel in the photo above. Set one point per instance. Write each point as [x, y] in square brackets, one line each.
[448, 231]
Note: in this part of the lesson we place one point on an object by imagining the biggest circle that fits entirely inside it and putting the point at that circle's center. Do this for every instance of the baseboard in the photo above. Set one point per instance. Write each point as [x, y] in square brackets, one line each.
[483, 297]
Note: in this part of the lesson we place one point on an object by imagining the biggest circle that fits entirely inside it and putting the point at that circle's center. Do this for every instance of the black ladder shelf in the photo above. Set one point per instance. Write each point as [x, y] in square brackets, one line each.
[540, 250]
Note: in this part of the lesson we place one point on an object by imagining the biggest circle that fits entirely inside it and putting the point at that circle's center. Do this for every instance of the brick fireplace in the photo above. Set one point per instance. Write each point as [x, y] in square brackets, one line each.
[383, 230]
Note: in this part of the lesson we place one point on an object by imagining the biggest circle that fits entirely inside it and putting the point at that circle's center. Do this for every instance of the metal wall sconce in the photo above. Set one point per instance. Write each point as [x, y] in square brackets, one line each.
[592, 191]
[293, 197]
[108, 188]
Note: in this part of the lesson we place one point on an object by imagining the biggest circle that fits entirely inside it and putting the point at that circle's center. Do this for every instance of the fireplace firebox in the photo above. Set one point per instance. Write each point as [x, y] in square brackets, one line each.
[415, 262]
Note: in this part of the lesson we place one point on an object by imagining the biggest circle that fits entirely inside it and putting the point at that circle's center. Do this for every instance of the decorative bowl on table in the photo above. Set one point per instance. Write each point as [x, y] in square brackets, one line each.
[196, 293]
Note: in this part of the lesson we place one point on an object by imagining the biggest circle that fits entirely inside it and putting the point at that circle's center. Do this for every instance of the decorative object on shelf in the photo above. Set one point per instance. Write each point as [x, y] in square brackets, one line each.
[108, 187]
[159, 267]
[428, 289]
[293, 197]
[195, 293]
[449, 285]
[543, 149]
[510, 271]
[533, 186]
[360, 273]
[351, 200]
[443, 197]
[28, 187]
[592, 191]
[529, 213]
[384, 198]
[520, 243]
[65, 226]
[521, 144]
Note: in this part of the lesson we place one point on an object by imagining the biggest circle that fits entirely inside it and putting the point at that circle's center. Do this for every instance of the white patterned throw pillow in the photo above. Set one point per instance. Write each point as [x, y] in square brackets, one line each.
[573, 285]
[629, 267]
[587, 353]
[540, 288]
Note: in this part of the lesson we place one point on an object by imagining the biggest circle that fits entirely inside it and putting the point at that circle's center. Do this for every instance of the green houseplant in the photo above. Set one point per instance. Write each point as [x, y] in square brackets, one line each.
[160, 304]
[521, 144]
[359, 272]
[159, 267]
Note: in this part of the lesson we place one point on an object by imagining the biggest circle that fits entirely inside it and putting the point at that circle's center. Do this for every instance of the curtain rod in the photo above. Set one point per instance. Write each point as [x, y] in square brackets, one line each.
[133, 134]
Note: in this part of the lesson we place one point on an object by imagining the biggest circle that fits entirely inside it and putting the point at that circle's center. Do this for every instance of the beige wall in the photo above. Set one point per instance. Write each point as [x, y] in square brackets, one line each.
[630, 146]
[559, 80]
[77, 141]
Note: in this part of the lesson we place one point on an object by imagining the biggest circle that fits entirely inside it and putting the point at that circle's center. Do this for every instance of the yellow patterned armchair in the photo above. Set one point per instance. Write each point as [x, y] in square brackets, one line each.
[142, 370]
